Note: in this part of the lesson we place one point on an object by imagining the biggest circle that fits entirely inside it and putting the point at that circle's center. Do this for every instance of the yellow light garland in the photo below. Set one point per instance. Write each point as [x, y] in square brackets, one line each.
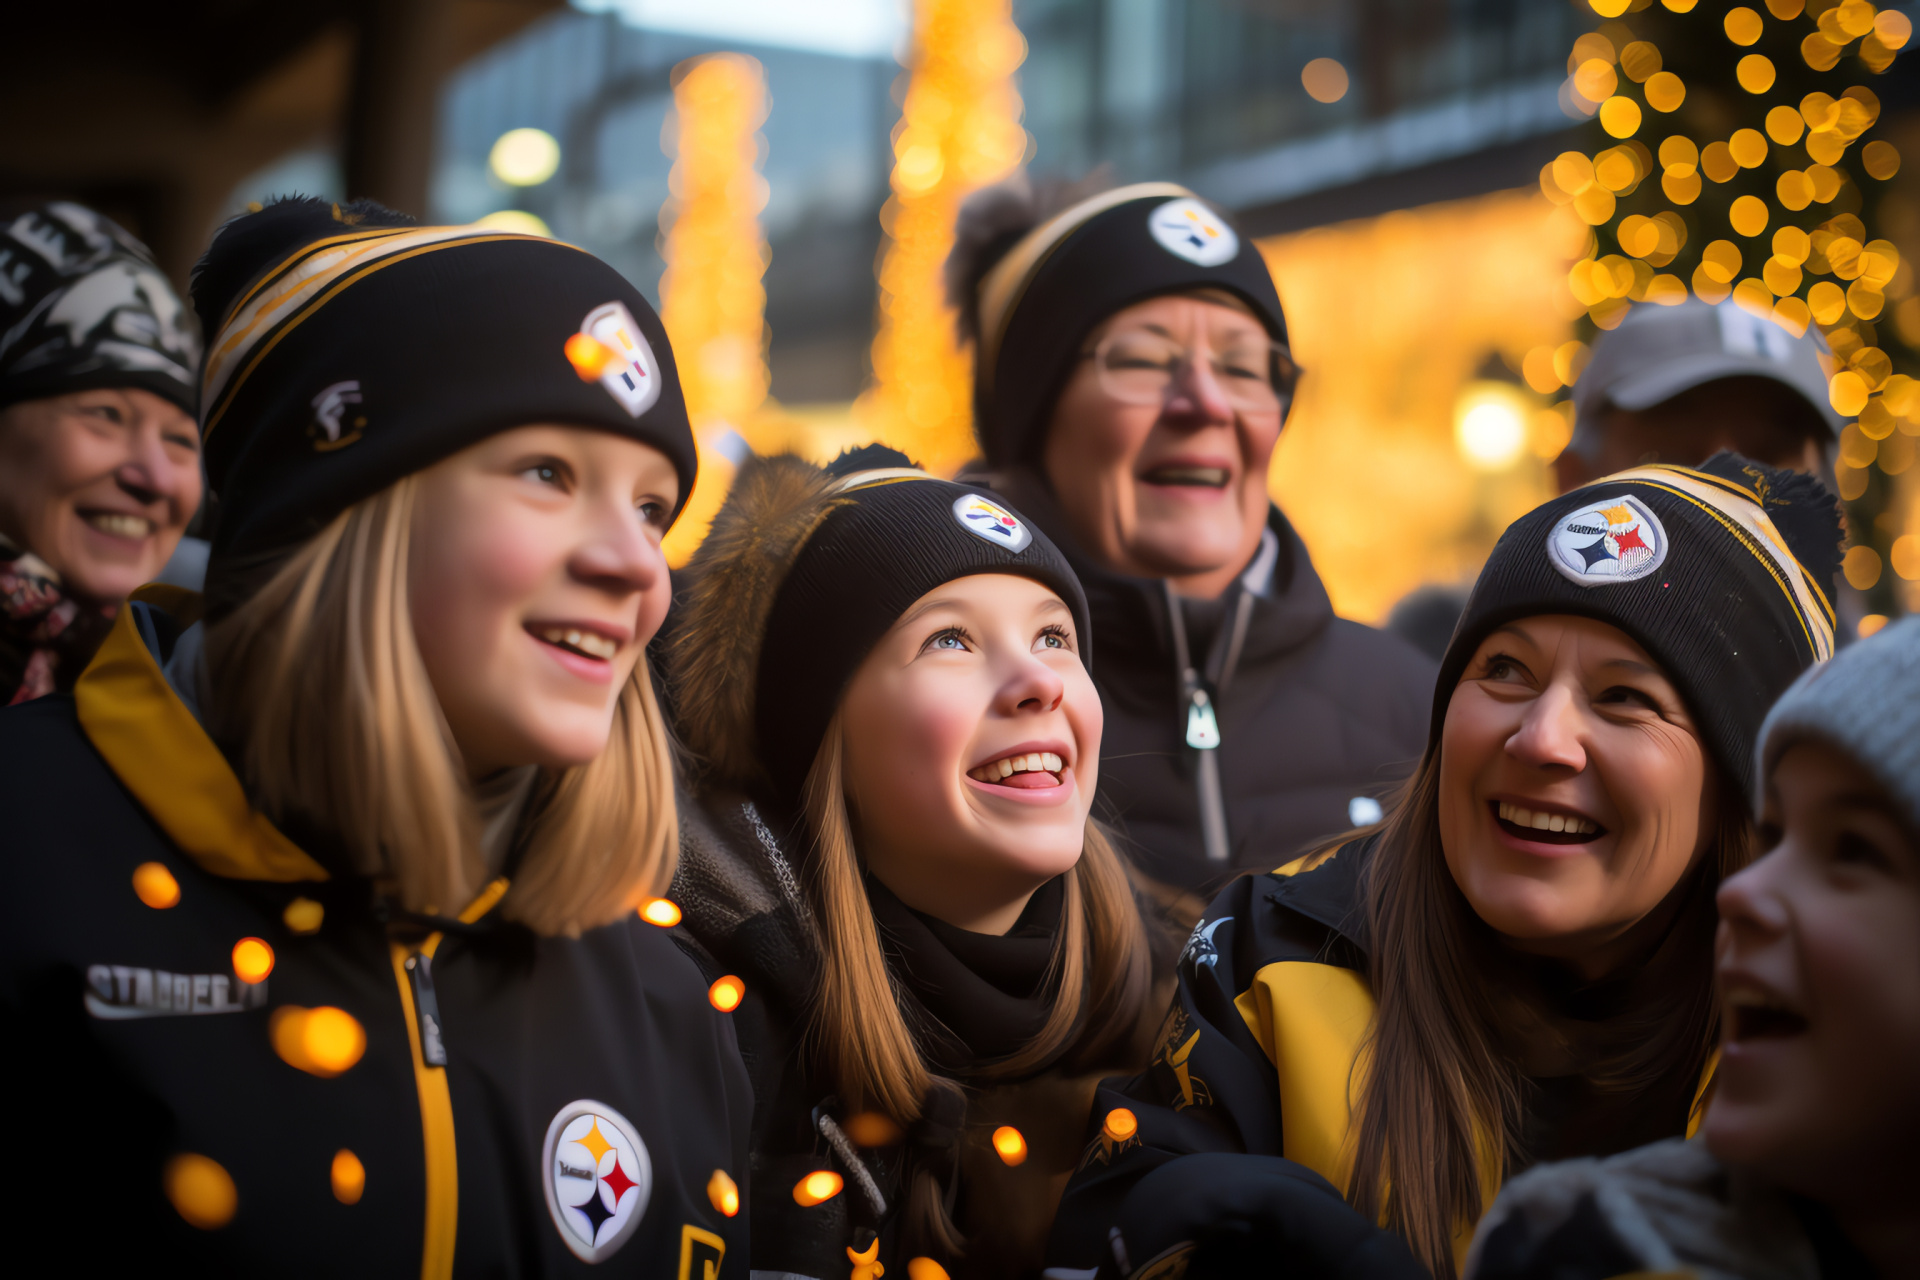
[711, 297]
[959, 130]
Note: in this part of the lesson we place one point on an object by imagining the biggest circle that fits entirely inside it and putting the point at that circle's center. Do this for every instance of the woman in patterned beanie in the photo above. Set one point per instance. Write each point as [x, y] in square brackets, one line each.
[99, 452]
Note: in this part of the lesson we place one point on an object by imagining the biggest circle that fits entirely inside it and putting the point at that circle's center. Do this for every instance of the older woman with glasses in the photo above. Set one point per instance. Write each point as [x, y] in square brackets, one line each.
[1132, 379]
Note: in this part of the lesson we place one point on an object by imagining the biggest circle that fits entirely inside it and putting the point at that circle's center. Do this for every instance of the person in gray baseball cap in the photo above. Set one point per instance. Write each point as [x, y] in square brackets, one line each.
[1677, 384]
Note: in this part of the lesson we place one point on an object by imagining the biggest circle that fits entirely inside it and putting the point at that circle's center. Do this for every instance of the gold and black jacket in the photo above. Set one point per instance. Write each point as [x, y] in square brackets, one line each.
[1257, 1055]
[226, 1053]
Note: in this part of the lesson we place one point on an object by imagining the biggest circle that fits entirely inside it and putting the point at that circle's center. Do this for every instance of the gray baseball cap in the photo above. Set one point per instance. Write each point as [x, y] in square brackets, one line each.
[1657, 352]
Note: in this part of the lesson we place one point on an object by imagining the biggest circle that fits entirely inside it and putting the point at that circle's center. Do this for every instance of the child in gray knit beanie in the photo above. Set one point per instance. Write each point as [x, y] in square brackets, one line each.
[1804, 1167]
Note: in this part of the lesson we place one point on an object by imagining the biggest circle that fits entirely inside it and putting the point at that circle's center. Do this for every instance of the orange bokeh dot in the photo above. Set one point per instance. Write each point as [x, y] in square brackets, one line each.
[1010, 1145]
[154, 885]
[1120, 1124]
[349, 1177]
[726, 994]
[817, 1187]
[201, 1190]
[723, 1193]
[252, 960]
[661, 912]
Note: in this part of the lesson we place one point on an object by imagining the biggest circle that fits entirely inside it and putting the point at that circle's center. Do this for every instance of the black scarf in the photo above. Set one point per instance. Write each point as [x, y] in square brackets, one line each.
[971, 998]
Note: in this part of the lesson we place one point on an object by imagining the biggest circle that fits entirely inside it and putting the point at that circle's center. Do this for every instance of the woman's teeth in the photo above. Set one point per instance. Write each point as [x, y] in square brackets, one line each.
[584, 642]
[120, 525]
[1198, 477]
[1752, 1016]
[1545, 821]
[1032, 762]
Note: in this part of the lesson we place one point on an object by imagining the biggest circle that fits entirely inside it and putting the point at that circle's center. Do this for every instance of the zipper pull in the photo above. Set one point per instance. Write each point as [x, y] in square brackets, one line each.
[1203, 731]
[426, 1008]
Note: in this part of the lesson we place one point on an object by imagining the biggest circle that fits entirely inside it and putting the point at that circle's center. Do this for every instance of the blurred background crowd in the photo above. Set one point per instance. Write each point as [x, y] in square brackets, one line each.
[1456, 199]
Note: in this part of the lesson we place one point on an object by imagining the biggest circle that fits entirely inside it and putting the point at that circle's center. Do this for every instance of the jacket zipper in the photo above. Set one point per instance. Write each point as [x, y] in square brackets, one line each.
[1202, 717]
[413, 973]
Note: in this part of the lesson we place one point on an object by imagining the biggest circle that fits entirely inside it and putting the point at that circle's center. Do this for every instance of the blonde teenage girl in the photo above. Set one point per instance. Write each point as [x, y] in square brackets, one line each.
[885, 678]
[320, 952]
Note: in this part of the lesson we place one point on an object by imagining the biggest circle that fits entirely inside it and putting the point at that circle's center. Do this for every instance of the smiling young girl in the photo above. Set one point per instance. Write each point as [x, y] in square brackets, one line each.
[885, 678]
[1516, 965]
[320, 947]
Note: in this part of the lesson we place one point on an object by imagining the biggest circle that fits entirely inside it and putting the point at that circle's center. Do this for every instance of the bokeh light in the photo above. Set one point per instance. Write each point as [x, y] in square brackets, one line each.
[524, 157]
[303, 916]
[349, 1177]
[201, 1190]
[727, 993]
[1324, 80]
[712, 299]
[817, 1187]
[252, 960]
[154, 885]
[1120, 1124]
[1010, 1145]
[517, 221]
[723, 1193]
[661, 912]
[323, 1041]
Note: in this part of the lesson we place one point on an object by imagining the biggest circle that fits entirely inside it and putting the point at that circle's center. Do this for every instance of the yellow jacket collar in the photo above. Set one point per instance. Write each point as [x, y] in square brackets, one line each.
[163, 756]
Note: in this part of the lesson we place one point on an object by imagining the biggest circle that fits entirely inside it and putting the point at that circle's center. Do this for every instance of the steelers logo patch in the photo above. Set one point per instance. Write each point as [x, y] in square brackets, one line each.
[1609, 541]
[991, 522]
[626, 365]
[598, 1178]
[1188, 229]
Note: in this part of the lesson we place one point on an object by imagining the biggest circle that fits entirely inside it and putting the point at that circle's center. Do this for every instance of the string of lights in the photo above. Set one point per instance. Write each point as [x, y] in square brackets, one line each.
[959, 130]
[712, 300]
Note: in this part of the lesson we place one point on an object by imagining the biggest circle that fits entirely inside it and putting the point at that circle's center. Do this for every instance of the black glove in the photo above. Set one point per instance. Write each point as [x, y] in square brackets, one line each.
[1246, 1216]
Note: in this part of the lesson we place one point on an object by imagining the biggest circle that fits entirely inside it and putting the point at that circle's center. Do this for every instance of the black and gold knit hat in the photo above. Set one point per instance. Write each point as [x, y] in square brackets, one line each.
[1039, 301]
[352, 347]
[1723, 573]
[803, 572]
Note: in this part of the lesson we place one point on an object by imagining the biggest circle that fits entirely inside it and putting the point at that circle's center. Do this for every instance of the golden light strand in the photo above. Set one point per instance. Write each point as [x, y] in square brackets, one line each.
[959, 130]
[711, 297]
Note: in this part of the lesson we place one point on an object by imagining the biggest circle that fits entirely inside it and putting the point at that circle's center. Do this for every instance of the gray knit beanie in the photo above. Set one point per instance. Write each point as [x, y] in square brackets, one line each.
[1866, 701]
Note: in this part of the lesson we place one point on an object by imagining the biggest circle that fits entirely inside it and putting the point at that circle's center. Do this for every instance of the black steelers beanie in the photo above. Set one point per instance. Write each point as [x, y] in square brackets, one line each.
[1038, 302]
[1723, 573]
[803, 572]
[351, 347]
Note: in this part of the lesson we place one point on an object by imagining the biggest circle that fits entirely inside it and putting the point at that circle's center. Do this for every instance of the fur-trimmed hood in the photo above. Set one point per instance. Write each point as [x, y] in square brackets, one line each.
[776, 505]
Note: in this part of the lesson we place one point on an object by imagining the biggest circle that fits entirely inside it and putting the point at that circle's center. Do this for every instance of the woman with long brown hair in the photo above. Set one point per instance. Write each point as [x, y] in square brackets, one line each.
[1516, 964]
[884, 676]
[319, 909]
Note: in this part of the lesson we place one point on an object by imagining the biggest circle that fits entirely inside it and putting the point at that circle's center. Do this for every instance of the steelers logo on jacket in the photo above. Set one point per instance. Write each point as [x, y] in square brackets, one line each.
[598, 1178]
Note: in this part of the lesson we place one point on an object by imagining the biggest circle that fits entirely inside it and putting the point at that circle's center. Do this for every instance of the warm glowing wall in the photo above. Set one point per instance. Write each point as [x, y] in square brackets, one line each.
[959, 130]
[1391, 318]
[711, 297]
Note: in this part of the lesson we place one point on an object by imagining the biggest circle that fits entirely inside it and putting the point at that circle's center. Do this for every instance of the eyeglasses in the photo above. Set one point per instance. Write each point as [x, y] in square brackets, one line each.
[1138, 367]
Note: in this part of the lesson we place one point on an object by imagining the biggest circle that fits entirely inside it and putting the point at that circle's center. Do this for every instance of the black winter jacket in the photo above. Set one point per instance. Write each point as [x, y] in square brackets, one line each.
[1313, 711]
[740, 890]
[503, 1077]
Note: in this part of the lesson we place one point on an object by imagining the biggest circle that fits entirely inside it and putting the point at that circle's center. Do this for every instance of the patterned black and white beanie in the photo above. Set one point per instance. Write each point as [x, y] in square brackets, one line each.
[82, 306]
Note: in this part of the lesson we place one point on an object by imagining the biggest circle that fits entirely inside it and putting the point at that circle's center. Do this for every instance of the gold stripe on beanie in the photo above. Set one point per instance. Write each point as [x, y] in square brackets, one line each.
[1001, 289]
[312, 280]
[1742, 516]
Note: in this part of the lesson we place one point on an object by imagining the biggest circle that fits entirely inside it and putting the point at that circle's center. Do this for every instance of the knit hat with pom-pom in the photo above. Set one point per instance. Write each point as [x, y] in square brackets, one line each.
[1722, 573]
[350, 347]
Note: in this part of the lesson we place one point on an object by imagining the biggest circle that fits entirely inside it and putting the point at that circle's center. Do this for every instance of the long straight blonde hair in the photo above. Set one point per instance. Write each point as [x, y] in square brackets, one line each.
[1098, 980]
[318, 687]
